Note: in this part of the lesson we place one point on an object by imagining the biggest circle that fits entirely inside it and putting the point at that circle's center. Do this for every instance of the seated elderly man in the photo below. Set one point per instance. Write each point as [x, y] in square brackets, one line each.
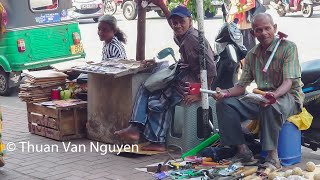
[152, 113]
[282, 81]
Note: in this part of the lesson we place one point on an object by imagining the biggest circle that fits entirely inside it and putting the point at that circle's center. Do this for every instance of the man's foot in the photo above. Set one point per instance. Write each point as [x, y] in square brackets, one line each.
[1, 162]
[246, 158]
[272, 164]
[154, 147]
[130, 133]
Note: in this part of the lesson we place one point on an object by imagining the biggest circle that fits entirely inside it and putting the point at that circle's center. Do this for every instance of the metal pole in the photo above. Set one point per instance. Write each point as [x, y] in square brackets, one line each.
[203, 70]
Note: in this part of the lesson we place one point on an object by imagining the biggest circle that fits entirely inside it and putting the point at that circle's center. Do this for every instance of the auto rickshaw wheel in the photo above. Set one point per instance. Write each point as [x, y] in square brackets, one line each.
[110, 7]
[129, 10]
[5, 90]
[307, 10]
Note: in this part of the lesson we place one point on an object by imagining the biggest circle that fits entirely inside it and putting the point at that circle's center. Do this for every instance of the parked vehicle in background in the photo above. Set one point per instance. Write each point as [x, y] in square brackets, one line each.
[111, 6]
[305, 6]
[88, 9]
[38, 33]
[130, 11]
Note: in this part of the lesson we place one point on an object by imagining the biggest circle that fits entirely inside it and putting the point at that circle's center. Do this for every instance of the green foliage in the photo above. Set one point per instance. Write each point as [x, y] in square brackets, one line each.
[192, 6]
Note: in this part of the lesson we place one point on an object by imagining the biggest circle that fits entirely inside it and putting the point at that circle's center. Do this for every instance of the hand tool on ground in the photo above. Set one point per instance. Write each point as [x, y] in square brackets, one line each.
[202, 145]
[268, 96]
[161, 167]
[260, 174]
[244, 174]
[280, 36]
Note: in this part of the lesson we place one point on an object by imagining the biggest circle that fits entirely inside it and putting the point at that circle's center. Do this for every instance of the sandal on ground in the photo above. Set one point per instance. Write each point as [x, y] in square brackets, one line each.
[272, 164]
[246, 159]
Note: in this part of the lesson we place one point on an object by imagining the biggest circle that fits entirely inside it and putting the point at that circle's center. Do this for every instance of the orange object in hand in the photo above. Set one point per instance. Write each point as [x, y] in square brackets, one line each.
[267, 95]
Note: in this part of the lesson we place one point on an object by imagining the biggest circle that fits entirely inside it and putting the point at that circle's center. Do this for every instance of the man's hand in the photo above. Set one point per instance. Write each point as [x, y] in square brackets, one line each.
[271, 97]
[189, 99]
[181, 88]
[220, 94]
[147, 63]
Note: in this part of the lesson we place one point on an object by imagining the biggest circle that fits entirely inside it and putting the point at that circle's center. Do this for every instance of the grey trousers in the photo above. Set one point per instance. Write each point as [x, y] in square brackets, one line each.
[232, 111]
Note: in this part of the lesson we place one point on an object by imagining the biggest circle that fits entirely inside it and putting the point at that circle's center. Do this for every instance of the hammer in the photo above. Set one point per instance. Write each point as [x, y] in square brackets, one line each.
[281, 36]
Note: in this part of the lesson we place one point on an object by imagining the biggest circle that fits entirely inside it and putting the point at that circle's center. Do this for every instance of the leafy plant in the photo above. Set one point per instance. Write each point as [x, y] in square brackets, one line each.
[192, 6]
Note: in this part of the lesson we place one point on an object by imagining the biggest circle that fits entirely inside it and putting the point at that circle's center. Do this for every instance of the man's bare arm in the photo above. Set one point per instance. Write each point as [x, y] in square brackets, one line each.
[164, 9]
[284, 88]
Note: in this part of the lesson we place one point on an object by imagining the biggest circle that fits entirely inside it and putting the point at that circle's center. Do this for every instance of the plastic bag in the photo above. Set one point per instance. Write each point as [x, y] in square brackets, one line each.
[303, 120]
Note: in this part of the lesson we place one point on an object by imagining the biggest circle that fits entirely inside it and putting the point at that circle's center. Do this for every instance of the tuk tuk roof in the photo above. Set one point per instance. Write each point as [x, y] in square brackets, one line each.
[20, 13]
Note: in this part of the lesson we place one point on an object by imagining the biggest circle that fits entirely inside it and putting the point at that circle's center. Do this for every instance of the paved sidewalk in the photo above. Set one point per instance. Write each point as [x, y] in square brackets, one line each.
[62, 165]
[70, 165]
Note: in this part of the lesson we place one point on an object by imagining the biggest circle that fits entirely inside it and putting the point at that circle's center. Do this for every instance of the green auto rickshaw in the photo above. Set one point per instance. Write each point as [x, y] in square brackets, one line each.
[35, 34]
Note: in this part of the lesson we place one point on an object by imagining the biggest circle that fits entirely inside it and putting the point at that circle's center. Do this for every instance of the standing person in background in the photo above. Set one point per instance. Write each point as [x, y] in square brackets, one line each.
[113, 38]
[238, 9]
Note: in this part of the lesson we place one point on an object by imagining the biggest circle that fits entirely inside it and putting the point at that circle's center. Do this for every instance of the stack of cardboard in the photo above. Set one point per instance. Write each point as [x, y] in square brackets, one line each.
[38, 86]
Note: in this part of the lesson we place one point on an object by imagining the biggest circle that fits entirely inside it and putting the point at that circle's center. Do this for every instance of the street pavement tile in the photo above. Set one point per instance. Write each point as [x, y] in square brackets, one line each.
[97, 175]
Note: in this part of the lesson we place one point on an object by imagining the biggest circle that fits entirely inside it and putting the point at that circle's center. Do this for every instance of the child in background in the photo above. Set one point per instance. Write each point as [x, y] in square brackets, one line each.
[113, 38]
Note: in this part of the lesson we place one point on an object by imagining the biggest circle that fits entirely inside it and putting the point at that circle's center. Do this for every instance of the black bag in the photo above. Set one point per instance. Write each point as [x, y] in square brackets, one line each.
[259, 8]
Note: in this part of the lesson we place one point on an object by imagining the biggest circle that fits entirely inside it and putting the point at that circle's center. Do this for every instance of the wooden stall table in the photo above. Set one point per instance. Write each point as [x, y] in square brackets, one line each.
[112, 87]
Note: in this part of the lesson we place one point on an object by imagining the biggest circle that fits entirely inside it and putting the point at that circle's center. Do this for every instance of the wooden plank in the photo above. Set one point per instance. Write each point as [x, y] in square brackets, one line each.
[70, 103]
[37, 129]
[37, 108]
[43, 120]
[67, 122]
[53, 134]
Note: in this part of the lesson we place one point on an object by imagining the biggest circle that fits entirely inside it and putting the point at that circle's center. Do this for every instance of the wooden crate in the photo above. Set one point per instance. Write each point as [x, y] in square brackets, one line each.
[59, 123]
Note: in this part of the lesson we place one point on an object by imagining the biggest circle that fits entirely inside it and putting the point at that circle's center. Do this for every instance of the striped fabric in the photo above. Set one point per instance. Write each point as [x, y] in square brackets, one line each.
[284, 65]
[154, 112]
[114, 49]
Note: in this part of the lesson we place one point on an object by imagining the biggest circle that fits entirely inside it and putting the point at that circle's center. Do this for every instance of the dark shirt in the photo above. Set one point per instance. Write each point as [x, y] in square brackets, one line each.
[189, 54]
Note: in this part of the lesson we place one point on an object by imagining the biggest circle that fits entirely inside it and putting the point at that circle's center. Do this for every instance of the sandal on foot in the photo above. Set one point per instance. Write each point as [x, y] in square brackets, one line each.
[246, 159]
[273, 164]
